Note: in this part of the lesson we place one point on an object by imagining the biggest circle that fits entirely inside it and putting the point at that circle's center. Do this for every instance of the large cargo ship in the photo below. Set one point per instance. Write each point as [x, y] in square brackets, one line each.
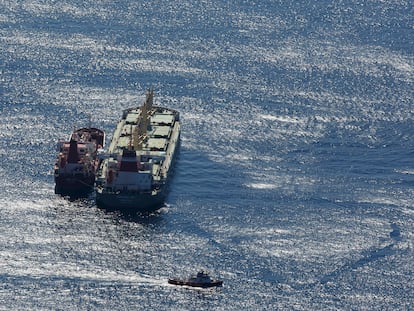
[77, 161]
[133, 176]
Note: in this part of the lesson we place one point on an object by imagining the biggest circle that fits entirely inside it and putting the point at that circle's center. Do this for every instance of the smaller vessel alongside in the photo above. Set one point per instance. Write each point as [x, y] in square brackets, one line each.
[202, 279]
[77, 161]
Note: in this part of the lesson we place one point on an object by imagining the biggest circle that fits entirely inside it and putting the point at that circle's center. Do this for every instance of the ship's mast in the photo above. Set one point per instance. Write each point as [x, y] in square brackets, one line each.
[143, 121]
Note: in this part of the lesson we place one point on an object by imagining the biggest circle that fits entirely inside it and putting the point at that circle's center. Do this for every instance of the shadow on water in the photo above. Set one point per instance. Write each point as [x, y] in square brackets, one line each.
[144, 219]
[75, 197]
[368, 256]
[87, 199]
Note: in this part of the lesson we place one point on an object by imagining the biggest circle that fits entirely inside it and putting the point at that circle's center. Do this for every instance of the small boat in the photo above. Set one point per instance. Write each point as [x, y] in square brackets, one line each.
[202, 279]
[77, 161]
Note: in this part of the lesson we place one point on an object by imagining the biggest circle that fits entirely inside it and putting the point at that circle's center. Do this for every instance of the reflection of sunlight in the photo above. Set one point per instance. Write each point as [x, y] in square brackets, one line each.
[286, 119]
[295, 155]
[261, 186]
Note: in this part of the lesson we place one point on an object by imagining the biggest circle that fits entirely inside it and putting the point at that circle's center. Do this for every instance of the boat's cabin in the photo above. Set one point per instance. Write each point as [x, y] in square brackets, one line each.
[202, 277]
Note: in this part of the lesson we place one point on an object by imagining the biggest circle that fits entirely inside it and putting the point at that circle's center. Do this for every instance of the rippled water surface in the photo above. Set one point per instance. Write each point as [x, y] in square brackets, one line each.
[294, 182]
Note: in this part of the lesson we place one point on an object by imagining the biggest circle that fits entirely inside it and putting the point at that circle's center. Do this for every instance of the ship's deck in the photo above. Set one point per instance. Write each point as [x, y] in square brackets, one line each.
[162, 136]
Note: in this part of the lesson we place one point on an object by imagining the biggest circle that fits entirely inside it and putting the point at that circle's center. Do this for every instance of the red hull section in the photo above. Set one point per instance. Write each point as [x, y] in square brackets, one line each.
[78, 161]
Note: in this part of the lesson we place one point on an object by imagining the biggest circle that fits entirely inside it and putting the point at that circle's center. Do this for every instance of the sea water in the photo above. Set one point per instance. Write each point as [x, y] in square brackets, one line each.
[294, 182]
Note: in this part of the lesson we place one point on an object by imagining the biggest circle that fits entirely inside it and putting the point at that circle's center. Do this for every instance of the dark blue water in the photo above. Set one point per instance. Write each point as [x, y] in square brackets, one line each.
[295, 178]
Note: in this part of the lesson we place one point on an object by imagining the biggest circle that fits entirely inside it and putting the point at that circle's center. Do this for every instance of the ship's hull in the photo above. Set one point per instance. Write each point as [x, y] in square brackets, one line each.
[195, 284]
[136, 203]
[130, 203]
